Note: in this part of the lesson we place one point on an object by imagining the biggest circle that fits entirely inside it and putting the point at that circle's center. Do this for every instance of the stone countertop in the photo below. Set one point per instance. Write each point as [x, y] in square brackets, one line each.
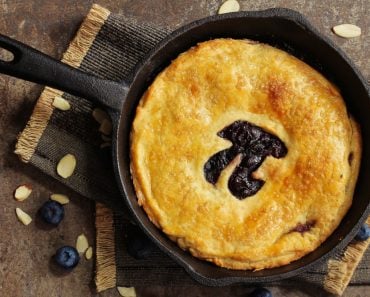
[49, 25]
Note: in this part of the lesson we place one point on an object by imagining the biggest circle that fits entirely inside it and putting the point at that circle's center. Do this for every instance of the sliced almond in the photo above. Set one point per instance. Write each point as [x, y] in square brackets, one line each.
[106, 127]
[61, 103]
[89, 253]
[105, 144]
[347, 30]
[66, 165]
[81, 243]
[23, 217]
[100, 115]
[22, 192]
[126, 291]
[229, 6]
[106, 138]
[62, 199]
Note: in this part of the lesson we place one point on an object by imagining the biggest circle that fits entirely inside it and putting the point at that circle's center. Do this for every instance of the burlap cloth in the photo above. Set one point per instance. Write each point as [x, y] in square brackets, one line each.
[109, 46]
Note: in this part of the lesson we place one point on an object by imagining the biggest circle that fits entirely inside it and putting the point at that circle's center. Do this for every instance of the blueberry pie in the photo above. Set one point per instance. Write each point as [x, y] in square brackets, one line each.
[244, 155]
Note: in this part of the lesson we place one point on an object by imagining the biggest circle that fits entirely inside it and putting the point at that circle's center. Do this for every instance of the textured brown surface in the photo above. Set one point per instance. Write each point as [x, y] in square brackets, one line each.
[48, 26]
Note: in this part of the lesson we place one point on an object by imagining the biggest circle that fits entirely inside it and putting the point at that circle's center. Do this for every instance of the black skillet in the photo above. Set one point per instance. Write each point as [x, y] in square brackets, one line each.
[282, 28]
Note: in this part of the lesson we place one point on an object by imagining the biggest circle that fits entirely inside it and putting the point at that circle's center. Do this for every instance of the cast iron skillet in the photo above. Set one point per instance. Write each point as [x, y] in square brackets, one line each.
[283, 28]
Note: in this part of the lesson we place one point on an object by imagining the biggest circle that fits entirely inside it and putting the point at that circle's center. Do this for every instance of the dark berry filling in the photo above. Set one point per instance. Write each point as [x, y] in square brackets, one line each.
[302, 228]
[253, 144]
[350, 158]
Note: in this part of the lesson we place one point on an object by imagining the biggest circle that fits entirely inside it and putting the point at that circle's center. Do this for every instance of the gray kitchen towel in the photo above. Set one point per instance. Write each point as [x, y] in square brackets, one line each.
[109, 46]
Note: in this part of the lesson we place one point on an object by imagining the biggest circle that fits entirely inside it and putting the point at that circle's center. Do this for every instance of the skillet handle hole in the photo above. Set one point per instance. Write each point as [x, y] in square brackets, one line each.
[6, 56]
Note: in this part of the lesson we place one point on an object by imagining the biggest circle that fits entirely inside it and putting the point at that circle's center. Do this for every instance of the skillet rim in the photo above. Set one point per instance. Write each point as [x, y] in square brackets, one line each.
[282, 13]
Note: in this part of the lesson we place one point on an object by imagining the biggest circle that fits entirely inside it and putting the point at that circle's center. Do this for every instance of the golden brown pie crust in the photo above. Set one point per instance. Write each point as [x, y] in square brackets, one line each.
[175, 132]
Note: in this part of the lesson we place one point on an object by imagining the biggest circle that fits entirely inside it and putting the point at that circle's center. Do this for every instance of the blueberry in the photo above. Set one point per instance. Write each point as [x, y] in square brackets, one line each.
[67, 257]
[260, 292]
[363, 233]
[139, 245]
[52, 212]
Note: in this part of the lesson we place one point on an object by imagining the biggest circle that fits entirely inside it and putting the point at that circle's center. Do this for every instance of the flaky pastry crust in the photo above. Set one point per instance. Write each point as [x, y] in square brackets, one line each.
[175, 132]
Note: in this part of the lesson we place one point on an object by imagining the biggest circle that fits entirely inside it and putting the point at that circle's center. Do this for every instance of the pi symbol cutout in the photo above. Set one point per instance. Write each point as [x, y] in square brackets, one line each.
[253, 144]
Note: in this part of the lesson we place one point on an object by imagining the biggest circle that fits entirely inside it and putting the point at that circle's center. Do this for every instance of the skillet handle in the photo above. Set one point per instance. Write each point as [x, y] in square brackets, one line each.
[32, 65]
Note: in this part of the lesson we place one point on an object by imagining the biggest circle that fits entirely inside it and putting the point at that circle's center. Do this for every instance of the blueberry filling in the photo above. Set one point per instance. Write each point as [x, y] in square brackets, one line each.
[350, 158]
[253, 144]
[302, 228]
